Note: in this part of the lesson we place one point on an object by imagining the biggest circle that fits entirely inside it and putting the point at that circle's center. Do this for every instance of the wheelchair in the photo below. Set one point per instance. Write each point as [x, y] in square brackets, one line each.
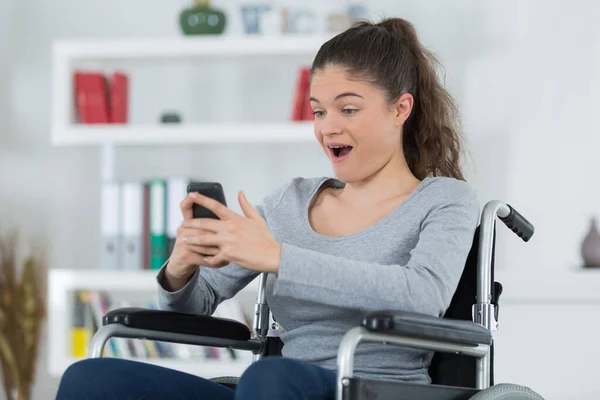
[461, 341]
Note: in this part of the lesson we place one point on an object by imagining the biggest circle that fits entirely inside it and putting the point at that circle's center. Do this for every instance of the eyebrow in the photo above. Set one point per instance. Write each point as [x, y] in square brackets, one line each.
[339, 96]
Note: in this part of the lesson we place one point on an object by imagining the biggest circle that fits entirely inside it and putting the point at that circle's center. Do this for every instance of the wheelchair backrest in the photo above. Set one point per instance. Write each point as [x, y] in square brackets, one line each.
[459, 370]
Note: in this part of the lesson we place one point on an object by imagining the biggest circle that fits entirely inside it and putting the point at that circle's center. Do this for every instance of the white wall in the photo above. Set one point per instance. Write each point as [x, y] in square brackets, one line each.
[523, 72]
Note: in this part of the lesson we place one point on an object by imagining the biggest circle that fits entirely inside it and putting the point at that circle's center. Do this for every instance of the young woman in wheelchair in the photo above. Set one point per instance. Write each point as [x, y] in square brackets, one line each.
[391, 230]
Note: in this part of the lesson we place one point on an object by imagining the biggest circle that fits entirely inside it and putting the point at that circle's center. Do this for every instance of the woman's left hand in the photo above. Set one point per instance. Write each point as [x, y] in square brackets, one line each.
[242, 240]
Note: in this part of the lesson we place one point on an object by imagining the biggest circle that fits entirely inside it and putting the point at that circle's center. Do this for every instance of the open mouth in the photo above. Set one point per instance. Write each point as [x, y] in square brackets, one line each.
[339, 152]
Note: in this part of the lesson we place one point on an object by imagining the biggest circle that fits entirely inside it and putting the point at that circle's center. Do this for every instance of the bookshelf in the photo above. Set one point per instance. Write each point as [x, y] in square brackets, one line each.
[62, 284]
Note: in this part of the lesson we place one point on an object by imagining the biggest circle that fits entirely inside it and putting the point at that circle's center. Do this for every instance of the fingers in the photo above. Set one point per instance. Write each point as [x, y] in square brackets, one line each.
[197, 244]
[189, 258]
[203, 250]
[205, 239]
[220, 210]
[206, 224]
[205, 261]
[186, 207]
[247, 208]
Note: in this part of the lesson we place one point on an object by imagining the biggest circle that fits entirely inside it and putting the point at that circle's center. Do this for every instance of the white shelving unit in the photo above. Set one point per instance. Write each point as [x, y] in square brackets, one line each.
[62, 283]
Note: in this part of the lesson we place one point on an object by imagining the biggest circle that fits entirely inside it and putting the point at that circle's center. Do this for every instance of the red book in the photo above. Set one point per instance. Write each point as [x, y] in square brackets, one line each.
[302, 86]
[119, 92]
[307, 114]
[91, 98]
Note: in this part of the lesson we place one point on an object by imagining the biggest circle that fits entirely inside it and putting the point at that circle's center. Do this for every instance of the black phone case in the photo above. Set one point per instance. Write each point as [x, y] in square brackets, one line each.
[214, 190]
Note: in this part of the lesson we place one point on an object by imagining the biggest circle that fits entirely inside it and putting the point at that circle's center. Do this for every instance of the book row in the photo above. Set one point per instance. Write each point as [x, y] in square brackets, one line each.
[139, 221]
[89, 306]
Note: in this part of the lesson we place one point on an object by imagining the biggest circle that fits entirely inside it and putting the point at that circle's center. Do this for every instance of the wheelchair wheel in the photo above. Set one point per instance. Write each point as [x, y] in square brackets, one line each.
[507, 391]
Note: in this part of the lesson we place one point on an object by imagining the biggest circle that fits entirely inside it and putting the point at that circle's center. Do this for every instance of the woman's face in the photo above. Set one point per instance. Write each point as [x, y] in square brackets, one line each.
[354, 123]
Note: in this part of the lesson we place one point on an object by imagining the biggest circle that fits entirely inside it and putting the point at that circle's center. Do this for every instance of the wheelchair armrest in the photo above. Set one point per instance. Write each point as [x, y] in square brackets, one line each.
[175, 322]
[427, 327]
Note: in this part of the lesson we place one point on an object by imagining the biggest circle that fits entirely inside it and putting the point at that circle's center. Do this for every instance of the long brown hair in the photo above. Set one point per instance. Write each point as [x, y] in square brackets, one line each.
[390, 56]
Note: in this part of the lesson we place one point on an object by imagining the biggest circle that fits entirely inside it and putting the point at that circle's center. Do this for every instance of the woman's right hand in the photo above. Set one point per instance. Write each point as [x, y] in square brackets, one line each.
[186, 258]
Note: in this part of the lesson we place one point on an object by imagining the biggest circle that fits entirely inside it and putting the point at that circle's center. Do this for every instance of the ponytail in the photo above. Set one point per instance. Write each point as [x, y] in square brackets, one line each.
[390, 55]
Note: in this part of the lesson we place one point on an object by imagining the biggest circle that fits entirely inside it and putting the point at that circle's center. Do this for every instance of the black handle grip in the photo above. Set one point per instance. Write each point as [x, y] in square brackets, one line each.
[518, 224]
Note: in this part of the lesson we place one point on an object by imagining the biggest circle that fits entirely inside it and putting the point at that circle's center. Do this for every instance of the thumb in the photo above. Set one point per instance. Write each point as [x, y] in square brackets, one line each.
[247, 208]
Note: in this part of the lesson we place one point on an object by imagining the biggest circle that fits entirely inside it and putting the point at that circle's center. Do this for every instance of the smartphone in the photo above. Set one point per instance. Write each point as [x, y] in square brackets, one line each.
[214, 190]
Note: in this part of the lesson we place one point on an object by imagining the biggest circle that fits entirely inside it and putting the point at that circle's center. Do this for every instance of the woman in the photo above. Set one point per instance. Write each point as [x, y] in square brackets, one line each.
[392, 230]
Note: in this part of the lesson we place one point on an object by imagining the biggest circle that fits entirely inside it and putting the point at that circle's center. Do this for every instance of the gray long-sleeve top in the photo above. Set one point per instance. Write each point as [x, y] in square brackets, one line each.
[410, 260]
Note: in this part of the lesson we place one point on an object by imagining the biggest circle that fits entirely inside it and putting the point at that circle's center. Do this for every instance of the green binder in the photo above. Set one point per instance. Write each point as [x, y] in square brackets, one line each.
[158, 223]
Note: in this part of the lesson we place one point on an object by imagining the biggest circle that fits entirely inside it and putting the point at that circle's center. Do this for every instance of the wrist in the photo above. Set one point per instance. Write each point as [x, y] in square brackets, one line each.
[175, 281]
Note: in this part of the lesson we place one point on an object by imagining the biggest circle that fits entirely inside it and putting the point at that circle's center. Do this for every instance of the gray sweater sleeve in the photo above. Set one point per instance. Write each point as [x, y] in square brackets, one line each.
[208, 287]
[425, 284]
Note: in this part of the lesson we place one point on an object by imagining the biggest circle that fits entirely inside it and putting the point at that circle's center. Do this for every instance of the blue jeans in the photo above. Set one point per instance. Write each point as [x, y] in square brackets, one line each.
[270, 378]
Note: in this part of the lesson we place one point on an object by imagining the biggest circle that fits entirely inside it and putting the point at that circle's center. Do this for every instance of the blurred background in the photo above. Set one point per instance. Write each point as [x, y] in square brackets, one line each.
[214, 92]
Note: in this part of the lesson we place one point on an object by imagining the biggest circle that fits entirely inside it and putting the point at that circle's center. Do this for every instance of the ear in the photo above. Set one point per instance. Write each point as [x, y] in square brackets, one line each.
[402, 108]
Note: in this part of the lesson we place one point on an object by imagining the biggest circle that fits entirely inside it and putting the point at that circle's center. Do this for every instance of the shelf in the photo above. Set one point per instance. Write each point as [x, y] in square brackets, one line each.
[66, 53]
[203, 368]
[62, 280]
[89, 135]
[185, 47]
[519, 286]
[550, 286]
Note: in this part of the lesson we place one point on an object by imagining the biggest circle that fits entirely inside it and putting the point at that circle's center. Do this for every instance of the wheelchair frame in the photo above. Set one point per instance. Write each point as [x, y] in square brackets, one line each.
[483, 314]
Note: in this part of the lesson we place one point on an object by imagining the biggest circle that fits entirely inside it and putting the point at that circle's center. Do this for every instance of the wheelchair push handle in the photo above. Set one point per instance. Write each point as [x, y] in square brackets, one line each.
[518, 223]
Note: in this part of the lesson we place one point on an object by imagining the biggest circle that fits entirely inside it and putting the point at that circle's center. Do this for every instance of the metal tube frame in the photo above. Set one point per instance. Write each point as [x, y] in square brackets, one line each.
[117, 330]
[261, 315]
[484, 310]
[356, 335]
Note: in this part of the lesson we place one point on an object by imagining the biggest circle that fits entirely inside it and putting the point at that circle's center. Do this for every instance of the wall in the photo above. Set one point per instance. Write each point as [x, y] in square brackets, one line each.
[523, 73]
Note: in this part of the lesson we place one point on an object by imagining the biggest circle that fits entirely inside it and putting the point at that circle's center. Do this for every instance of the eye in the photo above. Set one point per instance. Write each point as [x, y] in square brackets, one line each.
[350, 111]
[318, 113]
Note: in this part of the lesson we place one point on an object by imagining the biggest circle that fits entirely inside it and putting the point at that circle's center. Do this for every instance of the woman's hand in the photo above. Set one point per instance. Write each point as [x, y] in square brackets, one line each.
[185, 259]
[242, 240]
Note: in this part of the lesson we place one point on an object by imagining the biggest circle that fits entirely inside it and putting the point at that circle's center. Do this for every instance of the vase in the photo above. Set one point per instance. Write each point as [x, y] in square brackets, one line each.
[590, 248]
[202, 19]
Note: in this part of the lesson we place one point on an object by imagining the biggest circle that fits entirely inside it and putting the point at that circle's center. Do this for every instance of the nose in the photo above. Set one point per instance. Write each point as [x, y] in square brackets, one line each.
[330, 125]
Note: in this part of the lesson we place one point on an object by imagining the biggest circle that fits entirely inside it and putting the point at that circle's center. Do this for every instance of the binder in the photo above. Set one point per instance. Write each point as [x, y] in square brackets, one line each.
[146, 226]
[109, 225]
[132, 225]
[176, 192]
[158, 217]
[80, 334]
